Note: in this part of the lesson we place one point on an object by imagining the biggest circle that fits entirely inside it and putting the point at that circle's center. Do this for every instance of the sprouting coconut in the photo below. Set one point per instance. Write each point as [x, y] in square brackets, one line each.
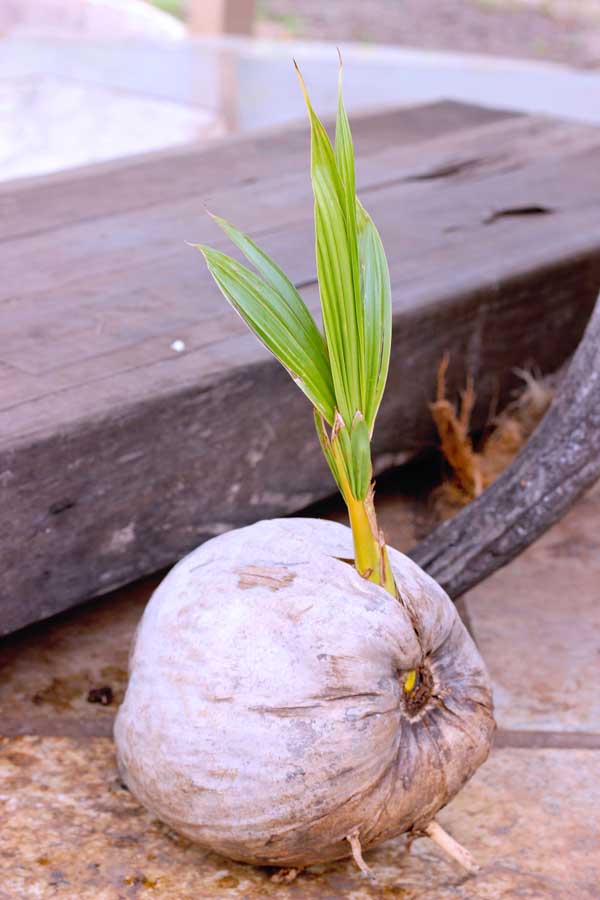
[285, 708]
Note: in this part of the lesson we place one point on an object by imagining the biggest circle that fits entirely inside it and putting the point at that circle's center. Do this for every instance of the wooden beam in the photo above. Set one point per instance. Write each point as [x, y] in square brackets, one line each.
[221, 16]
[118, 453]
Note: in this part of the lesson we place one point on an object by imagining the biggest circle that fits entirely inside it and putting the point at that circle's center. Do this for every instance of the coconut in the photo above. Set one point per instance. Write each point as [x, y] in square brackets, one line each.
[281, 707]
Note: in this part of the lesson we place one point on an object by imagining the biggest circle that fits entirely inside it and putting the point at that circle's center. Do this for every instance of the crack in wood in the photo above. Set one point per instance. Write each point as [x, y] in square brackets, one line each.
[510, 212]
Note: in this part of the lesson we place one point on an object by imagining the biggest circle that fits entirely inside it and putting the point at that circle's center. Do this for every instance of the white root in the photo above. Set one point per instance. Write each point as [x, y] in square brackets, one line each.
[285, 876]
[354, 841]
[436, 833]
[410, 839]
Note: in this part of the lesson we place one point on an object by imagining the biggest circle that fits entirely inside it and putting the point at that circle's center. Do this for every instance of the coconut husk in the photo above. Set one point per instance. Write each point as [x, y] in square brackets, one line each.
[281, 710]
[471, 470]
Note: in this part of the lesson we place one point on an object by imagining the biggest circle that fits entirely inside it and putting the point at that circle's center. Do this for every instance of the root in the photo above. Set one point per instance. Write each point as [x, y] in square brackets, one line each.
[453, 429]
[474, 470]
[354, 841]
[285, 876]
[436, 833]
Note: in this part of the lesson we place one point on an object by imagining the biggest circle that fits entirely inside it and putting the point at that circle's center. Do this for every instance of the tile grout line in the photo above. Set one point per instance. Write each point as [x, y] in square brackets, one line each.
[505, 738]
[551, 740]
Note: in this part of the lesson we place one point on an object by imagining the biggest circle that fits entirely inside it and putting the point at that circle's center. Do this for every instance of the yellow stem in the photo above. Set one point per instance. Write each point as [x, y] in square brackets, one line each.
[370, 553]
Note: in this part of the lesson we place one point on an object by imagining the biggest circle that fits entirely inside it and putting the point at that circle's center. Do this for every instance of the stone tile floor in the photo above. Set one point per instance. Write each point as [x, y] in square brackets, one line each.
[530, 815]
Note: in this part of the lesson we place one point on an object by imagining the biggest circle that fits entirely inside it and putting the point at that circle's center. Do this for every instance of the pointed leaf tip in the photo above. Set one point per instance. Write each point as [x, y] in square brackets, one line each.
[303, 86]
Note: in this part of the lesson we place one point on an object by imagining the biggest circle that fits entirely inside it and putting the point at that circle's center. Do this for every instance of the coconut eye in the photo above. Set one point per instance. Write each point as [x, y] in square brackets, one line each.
[417, 689]
[412, 680]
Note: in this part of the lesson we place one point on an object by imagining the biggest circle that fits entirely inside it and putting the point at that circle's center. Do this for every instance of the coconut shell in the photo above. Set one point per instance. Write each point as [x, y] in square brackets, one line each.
[266, 716]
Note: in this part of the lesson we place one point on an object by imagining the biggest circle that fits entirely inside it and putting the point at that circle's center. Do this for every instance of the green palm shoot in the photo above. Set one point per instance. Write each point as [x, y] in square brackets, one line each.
[343, 371]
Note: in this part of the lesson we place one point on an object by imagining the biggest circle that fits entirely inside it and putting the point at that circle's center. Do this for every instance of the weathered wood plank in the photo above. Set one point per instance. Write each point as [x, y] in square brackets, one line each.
[274, 202]
[141, 299]
[32, 205]
[117, 455]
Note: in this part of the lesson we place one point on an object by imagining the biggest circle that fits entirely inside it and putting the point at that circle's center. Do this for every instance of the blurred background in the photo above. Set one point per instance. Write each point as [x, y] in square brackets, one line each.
[84, 81]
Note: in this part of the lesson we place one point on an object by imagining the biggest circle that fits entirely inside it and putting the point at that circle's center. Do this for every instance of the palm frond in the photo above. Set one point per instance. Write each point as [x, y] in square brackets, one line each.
[344, 372]
[339, 301]
[377, 305]
[280, 324]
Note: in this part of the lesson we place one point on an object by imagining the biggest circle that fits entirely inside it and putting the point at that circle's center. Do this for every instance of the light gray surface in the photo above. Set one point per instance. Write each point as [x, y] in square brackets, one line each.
[55, 92]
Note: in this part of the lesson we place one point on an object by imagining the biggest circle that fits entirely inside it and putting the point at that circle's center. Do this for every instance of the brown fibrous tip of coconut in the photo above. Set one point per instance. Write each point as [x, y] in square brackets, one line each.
[473, 471]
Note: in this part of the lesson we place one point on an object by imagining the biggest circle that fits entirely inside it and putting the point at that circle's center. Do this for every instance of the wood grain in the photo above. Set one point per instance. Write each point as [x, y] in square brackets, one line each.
[117, 454]
[33, 205]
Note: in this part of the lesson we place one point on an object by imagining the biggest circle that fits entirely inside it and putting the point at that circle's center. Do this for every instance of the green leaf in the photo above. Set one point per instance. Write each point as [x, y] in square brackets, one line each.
[377, 306]
[344, 159]
[342, 314]
[343, 373]
[279, 281]
[326, 447]
[348, 453]
[280, 326]
[361, 458]
[342, 448]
